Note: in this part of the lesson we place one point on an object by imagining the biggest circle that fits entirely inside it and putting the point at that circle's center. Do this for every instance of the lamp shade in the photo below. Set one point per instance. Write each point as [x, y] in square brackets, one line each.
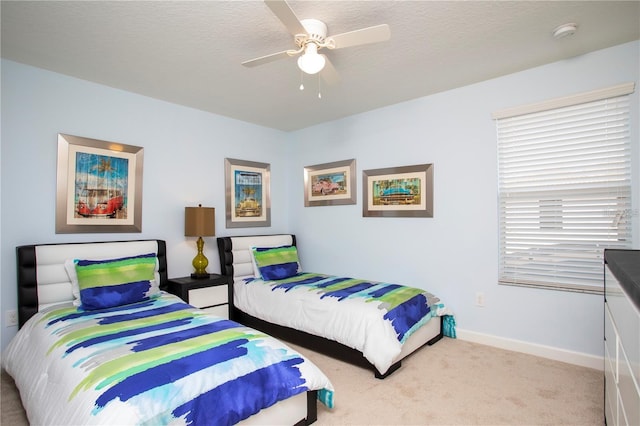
[199, 221]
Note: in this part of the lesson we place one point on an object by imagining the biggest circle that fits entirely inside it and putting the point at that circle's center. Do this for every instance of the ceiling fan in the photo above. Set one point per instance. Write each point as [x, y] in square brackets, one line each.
[310, 35]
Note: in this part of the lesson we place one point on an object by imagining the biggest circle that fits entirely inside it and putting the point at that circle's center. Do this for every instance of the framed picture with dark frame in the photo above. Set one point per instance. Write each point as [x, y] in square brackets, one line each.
[330, 184]
[99, 186]
[405, 191]
[247, 193]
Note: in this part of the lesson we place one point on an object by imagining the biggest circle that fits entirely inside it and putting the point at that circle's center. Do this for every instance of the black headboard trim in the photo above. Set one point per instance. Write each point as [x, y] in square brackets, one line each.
[27, 283]
[226, 256]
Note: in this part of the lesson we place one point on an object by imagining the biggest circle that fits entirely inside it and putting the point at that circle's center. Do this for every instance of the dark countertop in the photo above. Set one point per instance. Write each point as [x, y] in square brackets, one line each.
[625, 266]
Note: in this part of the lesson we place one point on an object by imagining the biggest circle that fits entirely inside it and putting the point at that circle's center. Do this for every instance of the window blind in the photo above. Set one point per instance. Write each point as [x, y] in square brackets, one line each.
[564, 192]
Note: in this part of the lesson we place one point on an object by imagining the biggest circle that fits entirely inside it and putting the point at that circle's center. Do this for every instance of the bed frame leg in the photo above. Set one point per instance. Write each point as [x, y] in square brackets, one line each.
[440, 335]
[312, 407]
[390, 371]
[435, 339]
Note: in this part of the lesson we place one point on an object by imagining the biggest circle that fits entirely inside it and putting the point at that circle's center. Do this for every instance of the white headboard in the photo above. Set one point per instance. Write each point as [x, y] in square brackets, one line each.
[43, 280]
[235, 252]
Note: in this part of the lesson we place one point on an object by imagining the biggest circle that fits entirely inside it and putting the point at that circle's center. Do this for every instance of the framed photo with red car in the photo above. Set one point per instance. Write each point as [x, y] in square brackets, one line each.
[99, 186]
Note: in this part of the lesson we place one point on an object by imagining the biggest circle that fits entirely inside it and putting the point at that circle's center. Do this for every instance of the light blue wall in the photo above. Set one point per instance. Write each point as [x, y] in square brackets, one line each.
[454, 254]
[184, 151]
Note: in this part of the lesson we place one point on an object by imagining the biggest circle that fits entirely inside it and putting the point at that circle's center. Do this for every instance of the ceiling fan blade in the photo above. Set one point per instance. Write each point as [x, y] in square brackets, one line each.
[363, 36]
[281, 9]
[329, 74]
[266, 59]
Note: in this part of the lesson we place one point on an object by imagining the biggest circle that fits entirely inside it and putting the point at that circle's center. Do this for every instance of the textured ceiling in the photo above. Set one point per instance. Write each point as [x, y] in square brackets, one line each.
[190, 52]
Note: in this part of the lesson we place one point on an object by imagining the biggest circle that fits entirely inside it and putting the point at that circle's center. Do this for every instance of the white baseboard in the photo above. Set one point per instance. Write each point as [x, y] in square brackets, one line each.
[557, 354]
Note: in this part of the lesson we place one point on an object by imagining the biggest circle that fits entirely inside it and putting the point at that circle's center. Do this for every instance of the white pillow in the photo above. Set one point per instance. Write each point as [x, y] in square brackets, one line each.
[256, 272]
[70, 267]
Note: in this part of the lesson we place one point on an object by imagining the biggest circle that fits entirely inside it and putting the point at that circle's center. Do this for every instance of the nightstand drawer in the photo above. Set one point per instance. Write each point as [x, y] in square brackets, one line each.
[209, 296]
[220, 310]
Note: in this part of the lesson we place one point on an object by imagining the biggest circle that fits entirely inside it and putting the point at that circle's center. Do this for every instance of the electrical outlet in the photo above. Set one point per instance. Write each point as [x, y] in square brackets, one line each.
[480, 299]
[11, 318]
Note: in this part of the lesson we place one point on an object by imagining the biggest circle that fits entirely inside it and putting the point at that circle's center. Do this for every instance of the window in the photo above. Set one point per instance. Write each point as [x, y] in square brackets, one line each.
[564, 189]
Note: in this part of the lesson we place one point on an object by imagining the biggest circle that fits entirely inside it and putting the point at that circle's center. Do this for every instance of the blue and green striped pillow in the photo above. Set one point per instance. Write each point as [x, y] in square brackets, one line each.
[276, 263]
[114, 282]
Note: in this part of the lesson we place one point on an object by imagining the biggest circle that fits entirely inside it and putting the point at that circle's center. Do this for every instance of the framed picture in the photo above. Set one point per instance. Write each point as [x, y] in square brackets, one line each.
[99, 186]
[398, 191]
[330, 184]
[248, 201]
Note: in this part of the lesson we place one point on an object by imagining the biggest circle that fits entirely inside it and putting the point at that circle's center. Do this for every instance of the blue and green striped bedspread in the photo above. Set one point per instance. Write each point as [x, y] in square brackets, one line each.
[154, 362]
[374, 317]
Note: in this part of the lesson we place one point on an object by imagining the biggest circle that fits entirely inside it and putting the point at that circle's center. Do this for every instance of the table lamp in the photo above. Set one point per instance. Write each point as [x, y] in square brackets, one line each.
[200, 222]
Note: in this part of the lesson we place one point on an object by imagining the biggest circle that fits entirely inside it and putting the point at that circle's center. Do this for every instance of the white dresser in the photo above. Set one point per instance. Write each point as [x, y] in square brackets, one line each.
[622, 337]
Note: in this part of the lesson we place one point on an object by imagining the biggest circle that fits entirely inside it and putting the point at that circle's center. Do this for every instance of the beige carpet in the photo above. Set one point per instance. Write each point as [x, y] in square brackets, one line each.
[461, 383]
[451, 383]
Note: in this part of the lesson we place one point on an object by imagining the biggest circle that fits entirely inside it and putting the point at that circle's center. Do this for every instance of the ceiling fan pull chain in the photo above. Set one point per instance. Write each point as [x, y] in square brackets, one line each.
[301, 77]
[319, 94]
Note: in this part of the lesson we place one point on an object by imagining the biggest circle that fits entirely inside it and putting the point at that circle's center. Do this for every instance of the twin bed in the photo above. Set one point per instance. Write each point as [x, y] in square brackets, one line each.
[134, 354]
[102, 342]
[370, 324]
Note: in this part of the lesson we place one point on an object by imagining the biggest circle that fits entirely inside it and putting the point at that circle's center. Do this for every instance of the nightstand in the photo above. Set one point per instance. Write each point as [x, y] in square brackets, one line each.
[210, 294]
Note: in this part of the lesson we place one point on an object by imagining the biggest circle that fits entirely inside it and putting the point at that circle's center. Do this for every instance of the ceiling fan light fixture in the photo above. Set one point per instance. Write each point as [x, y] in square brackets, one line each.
[310, 62]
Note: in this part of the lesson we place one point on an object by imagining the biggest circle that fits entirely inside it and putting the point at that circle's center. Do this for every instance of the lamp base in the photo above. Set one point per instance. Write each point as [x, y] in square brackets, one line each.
[200, 262]
[200, 276]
